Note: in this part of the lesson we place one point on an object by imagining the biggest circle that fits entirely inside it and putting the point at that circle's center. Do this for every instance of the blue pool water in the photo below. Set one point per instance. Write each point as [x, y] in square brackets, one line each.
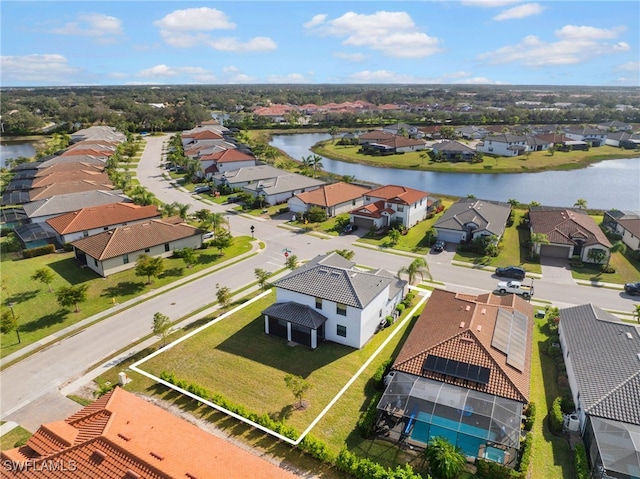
[495, 455]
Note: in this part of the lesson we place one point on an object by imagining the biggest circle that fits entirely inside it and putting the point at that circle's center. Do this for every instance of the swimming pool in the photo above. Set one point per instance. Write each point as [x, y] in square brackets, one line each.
[494, 454]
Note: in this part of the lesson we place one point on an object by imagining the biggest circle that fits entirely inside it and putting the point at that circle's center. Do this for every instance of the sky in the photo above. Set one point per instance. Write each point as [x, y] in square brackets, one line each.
[499, 42]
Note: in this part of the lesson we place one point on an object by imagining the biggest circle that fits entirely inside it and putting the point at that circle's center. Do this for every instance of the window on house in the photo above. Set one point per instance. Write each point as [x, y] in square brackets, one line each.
[125, 258]
[105, 228]
[400, 208]
[367, 198]
[353, 202]
[318, 303]
[380, 313]
[341, 331]
[95, 262]
[85, 234]
[146, 250]
[341, 309]
[166, 246]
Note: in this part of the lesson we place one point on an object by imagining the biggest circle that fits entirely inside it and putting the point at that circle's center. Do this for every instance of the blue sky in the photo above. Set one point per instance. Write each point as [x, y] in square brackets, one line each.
[52, 43]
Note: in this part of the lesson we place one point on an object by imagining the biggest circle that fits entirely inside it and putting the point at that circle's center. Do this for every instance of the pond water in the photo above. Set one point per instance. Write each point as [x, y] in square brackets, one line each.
[16, 149]
[605, 185]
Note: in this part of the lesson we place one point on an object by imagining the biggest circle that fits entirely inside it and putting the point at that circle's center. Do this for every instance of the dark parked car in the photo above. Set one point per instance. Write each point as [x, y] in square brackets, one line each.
[438, 246]
[350, 228]
[514, 272]
[202, 189]
[632, 288]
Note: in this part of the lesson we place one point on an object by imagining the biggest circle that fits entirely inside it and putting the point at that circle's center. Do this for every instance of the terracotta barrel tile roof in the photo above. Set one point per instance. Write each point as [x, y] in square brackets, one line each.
[101, 216]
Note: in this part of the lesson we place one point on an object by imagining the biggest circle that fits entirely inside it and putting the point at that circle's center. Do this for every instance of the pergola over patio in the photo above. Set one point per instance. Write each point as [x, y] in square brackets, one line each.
[295, 322]
[482, 425]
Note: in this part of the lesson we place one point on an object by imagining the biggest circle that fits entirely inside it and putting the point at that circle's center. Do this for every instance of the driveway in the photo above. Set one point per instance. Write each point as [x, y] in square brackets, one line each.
[556, 270]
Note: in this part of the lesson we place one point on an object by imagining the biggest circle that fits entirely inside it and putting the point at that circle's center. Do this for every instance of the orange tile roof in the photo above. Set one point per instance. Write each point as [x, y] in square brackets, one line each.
[124, 436]
[460, 327]
[88, 151]
[66, 188]
[101, 216]
[69, 176]
[334, 194]
[229, 156]
[563, 226]
[84, 166]
[135, 237]
[398, 194]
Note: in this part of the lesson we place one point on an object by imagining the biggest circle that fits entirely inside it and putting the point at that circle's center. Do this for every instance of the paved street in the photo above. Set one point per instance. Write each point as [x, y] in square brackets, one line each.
[40, 375]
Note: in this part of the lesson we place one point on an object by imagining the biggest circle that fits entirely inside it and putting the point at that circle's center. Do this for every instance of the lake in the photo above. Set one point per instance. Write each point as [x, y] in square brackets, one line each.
[605, 185]
[16, 149]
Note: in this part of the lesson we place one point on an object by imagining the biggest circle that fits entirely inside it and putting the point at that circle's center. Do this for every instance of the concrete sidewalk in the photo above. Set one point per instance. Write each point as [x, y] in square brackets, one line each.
[27, 350]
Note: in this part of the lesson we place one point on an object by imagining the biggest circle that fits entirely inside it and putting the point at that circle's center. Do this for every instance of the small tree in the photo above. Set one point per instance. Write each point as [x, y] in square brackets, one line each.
[72, 295]
[417, 267]
[394, 236]
[189, 257]
[262, 276]
[161, 325]
[45, 276]
[149, 266]
[222, 240]
[636, 312]
[224, 296]
[446, 461]
[298, 387]
[291, 262]
[317, 214]
[8, 323]
[346, 253]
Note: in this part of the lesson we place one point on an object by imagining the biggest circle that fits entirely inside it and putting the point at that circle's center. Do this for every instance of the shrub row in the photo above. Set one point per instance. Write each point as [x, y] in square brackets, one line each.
[368, 469]
[530, 413]
[525, 454]
[581, 462]
[39, 251]
[492, 470]
[367, 419]
[556, 418]
[378, 376]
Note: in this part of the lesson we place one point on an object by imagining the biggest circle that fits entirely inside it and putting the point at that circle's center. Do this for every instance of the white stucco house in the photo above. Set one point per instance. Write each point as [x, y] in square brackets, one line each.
[335, 199]
[471, 218]
[328, 298]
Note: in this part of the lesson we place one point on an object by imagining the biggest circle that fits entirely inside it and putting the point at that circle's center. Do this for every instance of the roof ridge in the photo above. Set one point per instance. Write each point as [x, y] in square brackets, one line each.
[614, 390]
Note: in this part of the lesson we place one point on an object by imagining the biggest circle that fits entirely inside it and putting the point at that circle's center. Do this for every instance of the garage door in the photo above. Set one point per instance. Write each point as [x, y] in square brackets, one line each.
[364, 223]
[450, 236]
[554, 251]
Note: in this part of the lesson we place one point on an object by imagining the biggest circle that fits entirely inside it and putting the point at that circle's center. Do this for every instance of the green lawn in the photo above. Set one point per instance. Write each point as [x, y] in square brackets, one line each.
[17, 436]
[551, 456]
[39, 314]
[536, 161]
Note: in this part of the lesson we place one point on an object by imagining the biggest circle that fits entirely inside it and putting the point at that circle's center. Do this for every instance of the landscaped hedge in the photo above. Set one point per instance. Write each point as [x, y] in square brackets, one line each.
[556, 418]
[39, 251]
[492, 470]
[367, 469]
[530, 413]
[525, 454]
[378, 376]
[367, 419]
[581, 462]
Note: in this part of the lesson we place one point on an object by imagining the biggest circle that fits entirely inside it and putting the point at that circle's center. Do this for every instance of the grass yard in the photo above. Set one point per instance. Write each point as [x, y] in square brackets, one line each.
[16, 437]
[551, 457]
[513, 253]
[39, 314]
[536, 161]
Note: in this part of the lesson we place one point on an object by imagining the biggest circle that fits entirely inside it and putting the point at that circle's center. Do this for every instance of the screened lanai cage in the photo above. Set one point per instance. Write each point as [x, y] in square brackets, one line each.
[614, 448]
[415, 410]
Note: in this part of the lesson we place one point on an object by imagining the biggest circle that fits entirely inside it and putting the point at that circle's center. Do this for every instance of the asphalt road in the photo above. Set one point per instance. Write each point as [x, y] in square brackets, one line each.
[41, 374]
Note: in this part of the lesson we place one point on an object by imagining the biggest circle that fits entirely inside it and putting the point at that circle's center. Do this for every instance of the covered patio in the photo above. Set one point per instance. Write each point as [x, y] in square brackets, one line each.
[295, 322]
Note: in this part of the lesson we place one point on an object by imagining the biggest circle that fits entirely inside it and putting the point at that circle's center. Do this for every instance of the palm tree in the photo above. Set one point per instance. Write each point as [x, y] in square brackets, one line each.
[417, 267]
[580, 203]
[333, 131]
[513, 202]
[169, 209]
[446, 461]
[617, 247]
[636, 312]
[538, 239]
[183, 210]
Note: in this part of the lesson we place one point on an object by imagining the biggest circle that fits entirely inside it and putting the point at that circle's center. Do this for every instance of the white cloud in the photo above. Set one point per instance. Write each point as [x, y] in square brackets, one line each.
[231, 69]
[316, 20]
[195, 19]
[521, 11]
[290, 78]
[394, 34]
[194, 74]
[575, 45]
[257, 44]
[38, 69]
[103, 28]
[191, 27]
[240, 79]
[386, 76]
[629, 67]
[352, 57]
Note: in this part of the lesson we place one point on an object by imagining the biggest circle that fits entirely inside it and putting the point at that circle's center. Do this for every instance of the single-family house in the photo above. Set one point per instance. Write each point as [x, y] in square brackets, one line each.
[615, 125]
[96, 219]
[246, 175]
[471, 218]
[374, 136]
[401, 144]
[567, 233]
[335, 198]
[591, 136]
[453, 150]
[41, 210]
[118, 249]
[601, 355]
[226, 160]
[67, 187]
[463, 373]
[98, 132]
[504, 144]
[393, 204]
[279, 189]
[624, 139]
[328, 298]
[626, 224]
[398, 129]
[471, 132]
[122, 435]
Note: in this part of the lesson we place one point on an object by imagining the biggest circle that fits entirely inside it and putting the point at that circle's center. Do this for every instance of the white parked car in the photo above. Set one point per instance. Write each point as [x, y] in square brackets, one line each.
[515, 287]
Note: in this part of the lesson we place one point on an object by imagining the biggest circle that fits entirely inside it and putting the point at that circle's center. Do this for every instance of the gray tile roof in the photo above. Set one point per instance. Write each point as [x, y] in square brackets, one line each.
[489, 216]
[297, 314]
[283, 183]
[59, 204]
[604, 355]
[334, 279]
[250, 173]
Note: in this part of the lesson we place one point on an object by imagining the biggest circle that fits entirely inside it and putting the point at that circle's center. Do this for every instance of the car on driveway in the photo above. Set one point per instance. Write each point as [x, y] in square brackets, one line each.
[632, 288]
[514, 272]
[438, 246]
[350, 228]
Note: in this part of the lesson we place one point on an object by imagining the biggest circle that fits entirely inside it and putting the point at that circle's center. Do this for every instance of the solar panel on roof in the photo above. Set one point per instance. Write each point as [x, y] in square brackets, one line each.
[510, 336]
[456, 369]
